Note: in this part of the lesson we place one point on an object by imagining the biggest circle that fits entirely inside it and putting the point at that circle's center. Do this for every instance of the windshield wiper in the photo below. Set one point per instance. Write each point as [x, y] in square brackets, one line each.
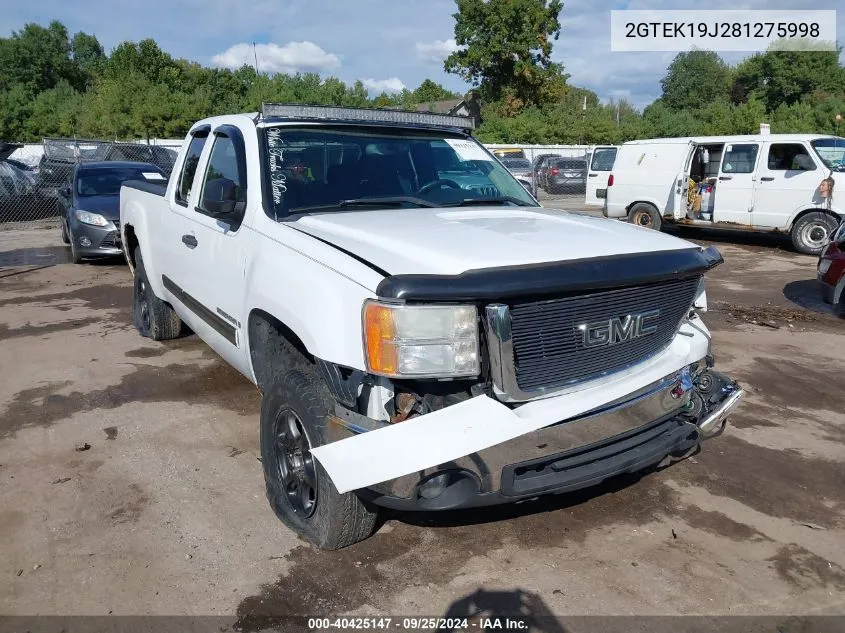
[468, 202]
[388, 201]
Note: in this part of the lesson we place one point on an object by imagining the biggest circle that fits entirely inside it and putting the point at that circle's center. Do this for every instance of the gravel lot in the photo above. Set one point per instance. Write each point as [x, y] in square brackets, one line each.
[130, 480]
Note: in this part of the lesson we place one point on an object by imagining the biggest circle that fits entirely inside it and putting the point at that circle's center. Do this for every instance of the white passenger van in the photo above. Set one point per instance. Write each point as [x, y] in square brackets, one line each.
[790, 183]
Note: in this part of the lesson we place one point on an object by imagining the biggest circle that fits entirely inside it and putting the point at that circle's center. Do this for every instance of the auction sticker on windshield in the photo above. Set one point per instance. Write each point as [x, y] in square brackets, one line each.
[468, 150]
[151, 175]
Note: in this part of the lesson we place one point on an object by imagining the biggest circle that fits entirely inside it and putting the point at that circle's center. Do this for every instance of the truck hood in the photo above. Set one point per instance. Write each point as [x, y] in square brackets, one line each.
[453, 241]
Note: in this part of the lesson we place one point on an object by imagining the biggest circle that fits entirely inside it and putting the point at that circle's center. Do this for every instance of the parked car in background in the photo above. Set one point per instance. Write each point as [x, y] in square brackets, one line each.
[20, 198]
[507, 152]
[831, 271]
[91, 222]
[566, 175]
[541, 161]
[522, 170]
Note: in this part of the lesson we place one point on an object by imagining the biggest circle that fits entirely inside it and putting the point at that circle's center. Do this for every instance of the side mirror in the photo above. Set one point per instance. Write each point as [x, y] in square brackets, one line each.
[65, 192]
[219, 197]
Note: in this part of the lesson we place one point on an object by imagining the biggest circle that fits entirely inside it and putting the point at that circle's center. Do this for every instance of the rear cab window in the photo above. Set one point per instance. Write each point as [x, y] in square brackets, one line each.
[189, 166]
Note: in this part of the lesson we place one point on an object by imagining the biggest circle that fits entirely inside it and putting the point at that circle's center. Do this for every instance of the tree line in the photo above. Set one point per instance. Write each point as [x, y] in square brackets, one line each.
[56, 84]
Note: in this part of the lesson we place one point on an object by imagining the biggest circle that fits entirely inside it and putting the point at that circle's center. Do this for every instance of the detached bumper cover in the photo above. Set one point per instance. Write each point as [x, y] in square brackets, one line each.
[462, 430]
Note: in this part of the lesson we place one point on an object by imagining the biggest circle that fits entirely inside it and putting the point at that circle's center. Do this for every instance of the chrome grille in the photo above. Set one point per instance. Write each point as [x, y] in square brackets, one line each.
[548, 347]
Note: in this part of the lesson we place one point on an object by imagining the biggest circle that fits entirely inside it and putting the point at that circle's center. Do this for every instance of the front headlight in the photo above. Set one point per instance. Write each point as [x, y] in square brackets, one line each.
[700, 301]
[409, 341]
[94, 219]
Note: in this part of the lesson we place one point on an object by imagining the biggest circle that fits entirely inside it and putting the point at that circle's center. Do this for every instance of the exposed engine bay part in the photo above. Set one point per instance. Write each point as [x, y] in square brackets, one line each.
[481, 422]
[714, 396]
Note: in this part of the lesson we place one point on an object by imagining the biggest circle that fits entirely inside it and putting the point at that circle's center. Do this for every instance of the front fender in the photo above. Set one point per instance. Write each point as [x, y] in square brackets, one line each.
[839, 211]
[318, 303]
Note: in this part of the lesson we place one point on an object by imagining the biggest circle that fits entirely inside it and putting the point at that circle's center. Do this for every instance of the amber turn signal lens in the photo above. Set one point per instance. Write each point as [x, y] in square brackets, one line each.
[380, 333]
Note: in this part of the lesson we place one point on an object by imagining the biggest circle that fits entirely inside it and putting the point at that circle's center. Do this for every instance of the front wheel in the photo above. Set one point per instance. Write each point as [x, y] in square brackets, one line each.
[811, 232]
[294, 415]
[646, 216]
[65, 238]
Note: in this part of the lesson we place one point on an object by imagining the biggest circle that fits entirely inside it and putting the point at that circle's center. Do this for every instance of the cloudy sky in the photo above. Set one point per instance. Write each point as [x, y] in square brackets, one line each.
[388, 44]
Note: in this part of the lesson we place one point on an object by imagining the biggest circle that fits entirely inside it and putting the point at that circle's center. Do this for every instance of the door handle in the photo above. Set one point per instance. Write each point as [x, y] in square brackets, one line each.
[725, 177]
[190, 241]
[767, 178]
[592, 175]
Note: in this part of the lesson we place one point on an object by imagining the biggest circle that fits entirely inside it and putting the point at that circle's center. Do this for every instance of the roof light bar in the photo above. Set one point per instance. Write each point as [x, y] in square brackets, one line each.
[368, 115]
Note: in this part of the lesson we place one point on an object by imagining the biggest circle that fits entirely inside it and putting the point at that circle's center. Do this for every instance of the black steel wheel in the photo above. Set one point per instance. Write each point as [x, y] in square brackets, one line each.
[295, 412]
[152, 317]
[297, 471]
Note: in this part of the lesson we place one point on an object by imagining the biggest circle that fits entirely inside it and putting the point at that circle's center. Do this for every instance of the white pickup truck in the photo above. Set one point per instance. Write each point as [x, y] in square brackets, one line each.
[425, 335]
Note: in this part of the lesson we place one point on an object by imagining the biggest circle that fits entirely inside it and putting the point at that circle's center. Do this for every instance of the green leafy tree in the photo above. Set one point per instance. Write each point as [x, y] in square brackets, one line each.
[506, 48]
[785, 77]
[429, 91]
[694, 80]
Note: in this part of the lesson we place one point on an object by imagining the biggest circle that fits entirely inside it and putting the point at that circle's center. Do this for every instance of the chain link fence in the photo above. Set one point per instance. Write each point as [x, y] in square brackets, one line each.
[558, 169]
[36, 178]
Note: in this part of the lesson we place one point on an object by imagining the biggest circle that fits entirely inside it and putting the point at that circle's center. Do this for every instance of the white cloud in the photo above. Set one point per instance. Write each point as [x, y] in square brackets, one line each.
[393, 84]
[290, 58]
[437, 50]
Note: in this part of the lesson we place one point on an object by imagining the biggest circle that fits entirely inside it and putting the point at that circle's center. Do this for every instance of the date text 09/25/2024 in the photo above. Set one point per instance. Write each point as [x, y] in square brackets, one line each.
[478, 623]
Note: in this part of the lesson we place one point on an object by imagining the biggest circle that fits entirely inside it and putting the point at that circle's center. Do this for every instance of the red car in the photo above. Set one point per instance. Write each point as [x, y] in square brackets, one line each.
[832, 271]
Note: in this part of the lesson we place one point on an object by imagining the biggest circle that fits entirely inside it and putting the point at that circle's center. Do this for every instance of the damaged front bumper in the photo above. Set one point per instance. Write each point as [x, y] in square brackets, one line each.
[623, 437]
[482, 452]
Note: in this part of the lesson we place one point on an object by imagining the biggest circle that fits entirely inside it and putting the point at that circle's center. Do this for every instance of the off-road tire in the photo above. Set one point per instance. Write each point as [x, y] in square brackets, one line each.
[645, 215]
[811, 232]
[151, 316]
[336, 520]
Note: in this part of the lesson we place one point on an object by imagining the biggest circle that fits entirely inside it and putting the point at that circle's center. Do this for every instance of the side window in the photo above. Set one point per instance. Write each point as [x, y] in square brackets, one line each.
[223, 163]
[603, 159]
[189, 167]
[789, 157]
[739, 158]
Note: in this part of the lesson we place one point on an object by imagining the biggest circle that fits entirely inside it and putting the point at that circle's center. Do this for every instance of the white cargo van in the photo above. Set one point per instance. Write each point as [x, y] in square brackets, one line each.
[601, 164]
[790, 183]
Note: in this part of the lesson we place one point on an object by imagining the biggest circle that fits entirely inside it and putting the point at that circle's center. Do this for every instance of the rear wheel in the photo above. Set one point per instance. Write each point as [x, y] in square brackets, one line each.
[152, 317]
[645, 215]
[294, 414]
[811, 232]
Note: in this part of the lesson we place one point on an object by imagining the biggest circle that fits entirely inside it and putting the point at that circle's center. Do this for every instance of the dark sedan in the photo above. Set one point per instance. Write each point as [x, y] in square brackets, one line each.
[567, 175]
[91, 225]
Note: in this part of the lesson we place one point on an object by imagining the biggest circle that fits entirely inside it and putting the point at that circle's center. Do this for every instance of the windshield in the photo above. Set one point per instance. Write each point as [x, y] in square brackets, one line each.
[333, 168]
[832, 152]
[107, 182]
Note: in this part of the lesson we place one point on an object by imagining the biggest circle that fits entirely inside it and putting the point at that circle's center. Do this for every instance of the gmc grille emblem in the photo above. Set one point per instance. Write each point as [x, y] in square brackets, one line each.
[618, 329]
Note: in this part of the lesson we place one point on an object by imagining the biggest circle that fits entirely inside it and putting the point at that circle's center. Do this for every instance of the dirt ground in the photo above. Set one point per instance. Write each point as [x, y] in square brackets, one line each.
[130, 480]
